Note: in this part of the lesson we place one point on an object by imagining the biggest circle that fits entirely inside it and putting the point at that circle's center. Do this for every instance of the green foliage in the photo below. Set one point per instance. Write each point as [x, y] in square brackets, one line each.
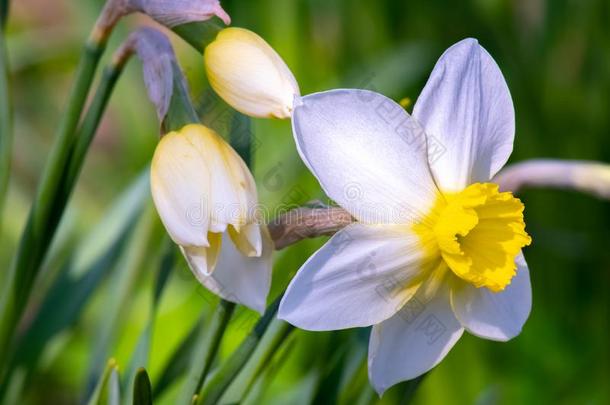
[142, 393]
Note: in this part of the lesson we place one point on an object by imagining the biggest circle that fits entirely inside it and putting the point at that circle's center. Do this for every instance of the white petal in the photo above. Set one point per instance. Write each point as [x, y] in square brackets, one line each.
[202, 260]
[413, 341]
[496, 316]
[200, 184]
[241, 279]
[467, 112]
[361, 276]
[232, 195]
[179, 189]
[368, 154]
[248, 239]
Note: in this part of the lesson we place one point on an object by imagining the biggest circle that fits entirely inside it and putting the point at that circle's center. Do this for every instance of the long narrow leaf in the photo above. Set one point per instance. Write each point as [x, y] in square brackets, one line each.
[206, 349]
[140, 356]
[95, 257]
[6, 121]
[104, 384]
[179, 361]
[122, 286]
[142, 392]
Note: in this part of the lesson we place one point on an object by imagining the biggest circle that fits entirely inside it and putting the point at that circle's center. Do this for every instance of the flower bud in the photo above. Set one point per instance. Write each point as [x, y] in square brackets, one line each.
[249, 75]
[202, 189]
[206, 198]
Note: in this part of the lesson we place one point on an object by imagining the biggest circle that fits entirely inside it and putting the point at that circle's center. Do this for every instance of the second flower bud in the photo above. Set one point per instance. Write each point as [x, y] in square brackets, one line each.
[249, 75]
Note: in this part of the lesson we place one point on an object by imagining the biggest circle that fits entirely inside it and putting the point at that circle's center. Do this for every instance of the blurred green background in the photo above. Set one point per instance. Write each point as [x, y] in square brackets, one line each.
[555, 56]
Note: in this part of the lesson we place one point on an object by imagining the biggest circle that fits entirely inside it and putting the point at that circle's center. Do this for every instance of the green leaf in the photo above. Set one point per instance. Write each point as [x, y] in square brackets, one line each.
[254, 394]
[140, 356]
[6, 121]
[45, 213]
[217, 385]
[206, 349]
[142, 393]
[85, 271]
[271, 343]
[180, 360]
[145, 239]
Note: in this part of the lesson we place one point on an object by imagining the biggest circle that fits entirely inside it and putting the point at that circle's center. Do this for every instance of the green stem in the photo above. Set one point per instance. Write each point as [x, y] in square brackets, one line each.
[211, 335]
[180, 111]
[44, 217]
[89, 126]
[198, 34]
[217, 385]
[6, 122]
[278, 333]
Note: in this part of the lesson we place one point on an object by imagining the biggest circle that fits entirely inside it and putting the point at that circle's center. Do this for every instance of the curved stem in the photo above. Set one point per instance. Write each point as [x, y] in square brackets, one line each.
[585, 176]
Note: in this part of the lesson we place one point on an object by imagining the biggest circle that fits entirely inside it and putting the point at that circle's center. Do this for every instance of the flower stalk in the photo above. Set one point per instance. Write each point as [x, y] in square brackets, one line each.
[218, 384]
[584, 176]
[279, 331]
[211, 336]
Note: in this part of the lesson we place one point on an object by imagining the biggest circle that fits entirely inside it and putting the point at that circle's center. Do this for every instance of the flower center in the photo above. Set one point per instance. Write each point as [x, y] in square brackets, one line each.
[479, 232]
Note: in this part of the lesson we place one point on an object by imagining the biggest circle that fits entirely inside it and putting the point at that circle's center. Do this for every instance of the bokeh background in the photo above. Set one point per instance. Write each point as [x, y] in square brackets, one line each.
[555, 56]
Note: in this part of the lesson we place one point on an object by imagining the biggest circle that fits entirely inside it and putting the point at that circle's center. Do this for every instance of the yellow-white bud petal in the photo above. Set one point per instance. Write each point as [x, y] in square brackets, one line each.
[201, 187]
[249, 75]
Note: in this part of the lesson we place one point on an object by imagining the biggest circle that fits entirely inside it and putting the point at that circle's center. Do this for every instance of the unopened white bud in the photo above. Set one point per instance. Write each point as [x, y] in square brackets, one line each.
[249, 75]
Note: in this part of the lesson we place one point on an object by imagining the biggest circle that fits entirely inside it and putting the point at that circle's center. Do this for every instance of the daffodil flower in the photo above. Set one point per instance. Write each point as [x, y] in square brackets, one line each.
[207, 200]
[437, 247]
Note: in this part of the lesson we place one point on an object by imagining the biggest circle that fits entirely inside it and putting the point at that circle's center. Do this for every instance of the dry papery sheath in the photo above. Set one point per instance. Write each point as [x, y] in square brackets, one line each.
[166, 12]
[159, 64]
[176, 12]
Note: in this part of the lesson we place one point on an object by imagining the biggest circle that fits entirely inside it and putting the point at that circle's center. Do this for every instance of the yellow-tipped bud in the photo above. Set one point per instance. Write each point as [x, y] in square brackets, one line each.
[249, 75]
